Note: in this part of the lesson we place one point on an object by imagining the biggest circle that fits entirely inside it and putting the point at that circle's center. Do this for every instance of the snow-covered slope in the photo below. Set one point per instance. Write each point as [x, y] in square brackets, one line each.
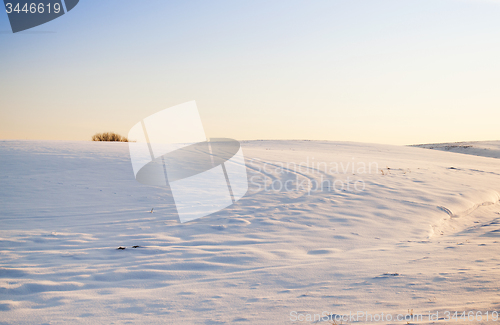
[410, 229]
[476, 148]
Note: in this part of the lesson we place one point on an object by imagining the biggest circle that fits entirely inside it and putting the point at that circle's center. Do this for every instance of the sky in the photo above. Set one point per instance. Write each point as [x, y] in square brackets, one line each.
[380, 71]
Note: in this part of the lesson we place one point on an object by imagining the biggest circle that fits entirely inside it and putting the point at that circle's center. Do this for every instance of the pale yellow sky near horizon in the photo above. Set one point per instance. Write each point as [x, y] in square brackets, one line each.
[395, 72]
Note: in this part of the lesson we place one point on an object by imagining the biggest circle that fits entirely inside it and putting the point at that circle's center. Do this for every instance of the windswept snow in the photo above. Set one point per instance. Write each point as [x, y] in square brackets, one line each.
[476, 148]
[325, 227]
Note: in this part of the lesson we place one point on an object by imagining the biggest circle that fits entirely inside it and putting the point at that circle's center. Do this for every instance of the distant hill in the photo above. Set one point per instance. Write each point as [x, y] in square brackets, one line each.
[475, 148]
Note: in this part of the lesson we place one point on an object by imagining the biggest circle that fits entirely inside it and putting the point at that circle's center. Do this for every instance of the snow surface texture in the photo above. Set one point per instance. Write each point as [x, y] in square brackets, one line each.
[422, 233]
[481, 148]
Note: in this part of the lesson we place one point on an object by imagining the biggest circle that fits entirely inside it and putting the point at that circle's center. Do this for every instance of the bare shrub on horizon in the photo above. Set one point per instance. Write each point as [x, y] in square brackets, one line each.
[108, 136]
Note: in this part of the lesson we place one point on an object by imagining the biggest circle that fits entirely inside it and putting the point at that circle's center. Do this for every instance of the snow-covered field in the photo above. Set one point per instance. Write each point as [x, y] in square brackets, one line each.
[325, 228]
[476, 148]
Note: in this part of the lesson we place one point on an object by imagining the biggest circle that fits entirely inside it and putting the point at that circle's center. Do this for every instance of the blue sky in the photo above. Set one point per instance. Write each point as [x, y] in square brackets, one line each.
[399, 72]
